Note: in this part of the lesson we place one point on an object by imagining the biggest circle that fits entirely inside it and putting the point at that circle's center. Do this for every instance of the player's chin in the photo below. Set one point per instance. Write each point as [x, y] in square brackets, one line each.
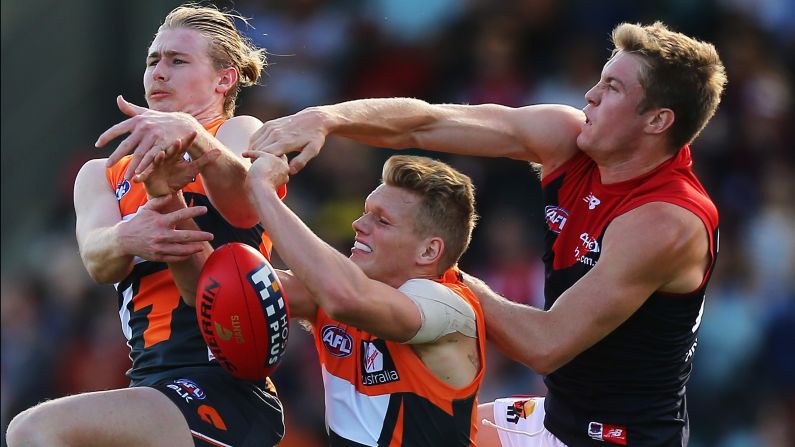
[162, 104]
[584, 140]
[359, 258]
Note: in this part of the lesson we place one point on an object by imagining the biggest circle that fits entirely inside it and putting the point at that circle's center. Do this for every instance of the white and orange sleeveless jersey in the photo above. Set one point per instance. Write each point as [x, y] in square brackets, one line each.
[380, 393]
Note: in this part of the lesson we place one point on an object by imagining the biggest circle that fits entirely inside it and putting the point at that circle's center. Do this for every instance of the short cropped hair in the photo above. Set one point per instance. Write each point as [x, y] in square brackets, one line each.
[682, 73]
[447, 208]
[227, 47]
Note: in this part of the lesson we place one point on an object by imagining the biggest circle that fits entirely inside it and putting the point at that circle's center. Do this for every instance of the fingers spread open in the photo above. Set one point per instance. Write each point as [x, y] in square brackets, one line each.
[114, 132]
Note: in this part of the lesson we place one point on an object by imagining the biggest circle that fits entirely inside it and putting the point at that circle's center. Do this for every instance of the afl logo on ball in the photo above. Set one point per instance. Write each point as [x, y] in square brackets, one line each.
[338, 343]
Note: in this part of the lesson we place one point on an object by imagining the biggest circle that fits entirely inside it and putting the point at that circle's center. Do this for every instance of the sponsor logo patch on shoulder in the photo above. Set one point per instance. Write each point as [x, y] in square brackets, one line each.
[556, 218]
[337, 342]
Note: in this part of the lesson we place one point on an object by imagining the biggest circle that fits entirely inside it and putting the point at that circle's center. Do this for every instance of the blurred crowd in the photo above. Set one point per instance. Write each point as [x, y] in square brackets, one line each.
[61, 332]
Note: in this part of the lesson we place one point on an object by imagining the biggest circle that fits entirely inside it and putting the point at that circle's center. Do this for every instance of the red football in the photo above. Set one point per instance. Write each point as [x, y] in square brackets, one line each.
[242, 311]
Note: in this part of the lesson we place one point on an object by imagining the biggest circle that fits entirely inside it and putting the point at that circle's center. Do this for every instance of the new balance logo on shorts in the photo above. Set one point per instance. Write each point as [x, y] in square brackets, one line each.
[615, 434]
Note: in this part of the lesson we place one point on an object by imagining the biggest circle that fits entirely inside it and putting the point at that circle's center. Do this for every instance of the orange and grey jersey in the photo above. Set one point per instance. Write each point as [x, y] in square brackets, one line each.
[628, 388]
[380, 393]
[160, 328]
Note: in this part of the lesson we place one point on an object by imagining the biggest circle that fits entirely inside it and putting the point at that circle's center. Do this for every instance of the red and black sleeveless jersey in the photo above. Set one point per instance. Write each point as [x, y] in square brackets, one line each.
[379, 392]
[160, 328]
[629, 388]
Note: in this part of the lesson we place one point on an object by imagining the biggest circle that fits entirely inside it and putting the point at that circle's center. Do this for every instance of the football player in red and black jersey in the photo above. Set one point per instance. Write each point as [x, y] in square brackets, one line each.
[631, 238]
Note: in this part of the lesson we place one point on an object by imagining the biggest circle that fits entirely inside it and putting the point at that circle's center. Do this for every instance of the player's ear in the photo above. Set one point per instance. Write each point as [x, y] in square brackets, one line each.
[432, 251]
[660, 121]
[227, 80]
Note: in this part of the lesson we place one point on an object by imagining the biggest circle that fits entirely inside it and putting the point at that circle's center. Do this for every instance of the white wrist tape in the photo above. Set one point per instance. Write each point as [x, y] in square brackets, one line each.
[443, 311]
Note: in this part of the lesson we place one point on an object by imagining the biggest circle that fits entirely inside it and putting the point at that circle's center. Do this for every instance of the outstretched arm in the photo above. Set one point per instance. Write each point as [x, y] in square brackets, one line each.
[631, 267]
[544, 134]
[336, 284]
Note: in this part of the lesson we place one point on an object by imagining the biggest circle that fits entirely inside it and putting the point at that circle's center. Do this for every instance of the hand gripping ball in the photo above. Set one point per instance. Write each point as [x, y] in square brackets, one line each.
[242, 311]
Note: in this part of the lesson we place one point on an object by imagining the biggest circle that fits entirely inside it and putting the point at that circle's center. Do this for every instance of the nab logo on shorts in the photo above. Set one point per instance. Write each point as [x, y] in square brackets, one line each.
[122, 189]
[338, 343]
[187, 389]
[378, 367]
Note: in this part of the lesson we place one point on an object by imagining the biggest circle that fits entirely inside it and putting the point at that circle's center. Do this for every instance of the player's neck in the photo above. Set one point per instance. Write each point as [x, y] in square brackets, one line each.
[623, 166]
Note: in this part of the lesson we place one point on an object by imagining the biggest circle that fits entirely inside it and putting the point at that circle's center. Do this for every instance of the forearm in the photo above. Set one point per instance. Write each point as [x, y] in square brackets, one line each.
[301, 303]
[329, 277]
[186, 273]
[391, 123]
[523, 333]
[224, 181]
[103, 255]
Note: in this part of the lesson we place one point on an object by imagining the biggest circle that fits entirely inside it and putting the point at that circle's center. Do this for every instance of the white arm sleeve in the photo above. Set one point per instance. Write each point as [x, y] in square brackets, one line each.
[443, 311]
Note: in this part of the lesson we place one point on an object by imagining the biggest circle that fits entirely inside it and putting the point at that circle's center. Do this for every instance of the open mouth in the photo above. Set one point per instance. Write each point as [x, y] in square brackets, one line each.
[362, 247]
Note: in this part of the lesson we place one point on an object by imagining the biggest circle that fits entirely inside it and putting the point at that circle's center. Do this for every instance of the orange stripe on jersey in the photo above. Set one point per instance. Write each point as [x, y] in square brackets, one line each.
[215, 125]
[397, 435]
[162, 301]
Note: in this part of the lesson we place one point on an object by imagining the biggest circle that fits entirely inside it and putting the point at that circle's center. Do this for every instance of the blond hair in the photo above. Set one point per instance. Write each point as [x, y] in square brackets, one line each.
[447, 208]
[681, 73]
[226, 46]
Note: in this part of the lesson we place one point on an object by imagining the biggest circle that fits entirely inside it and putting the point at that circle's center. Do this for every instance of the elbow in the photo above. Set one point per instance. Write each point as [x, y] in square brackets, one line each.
[104, 276]
[542, 366]
[543, 361]
[240, 220]
[102, 273]
[241, 215]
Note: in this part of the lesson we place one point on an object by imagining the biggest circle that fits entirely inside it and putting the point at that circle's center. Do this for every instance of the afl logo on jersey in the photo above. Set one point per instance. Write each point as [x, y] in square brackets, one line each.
[338, 343]
[556, 218]
[122, 189]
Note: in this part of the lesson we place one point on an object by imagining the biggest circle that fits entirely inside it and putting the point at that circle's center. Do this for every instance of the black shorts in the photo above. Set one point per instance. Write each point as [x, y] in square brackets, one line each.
[224, 411]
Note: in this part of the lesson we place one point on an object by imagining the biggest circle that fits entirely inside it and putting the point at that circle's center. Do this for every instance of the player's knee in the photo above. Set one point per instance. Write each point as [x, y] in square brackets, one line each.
[31, 428]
